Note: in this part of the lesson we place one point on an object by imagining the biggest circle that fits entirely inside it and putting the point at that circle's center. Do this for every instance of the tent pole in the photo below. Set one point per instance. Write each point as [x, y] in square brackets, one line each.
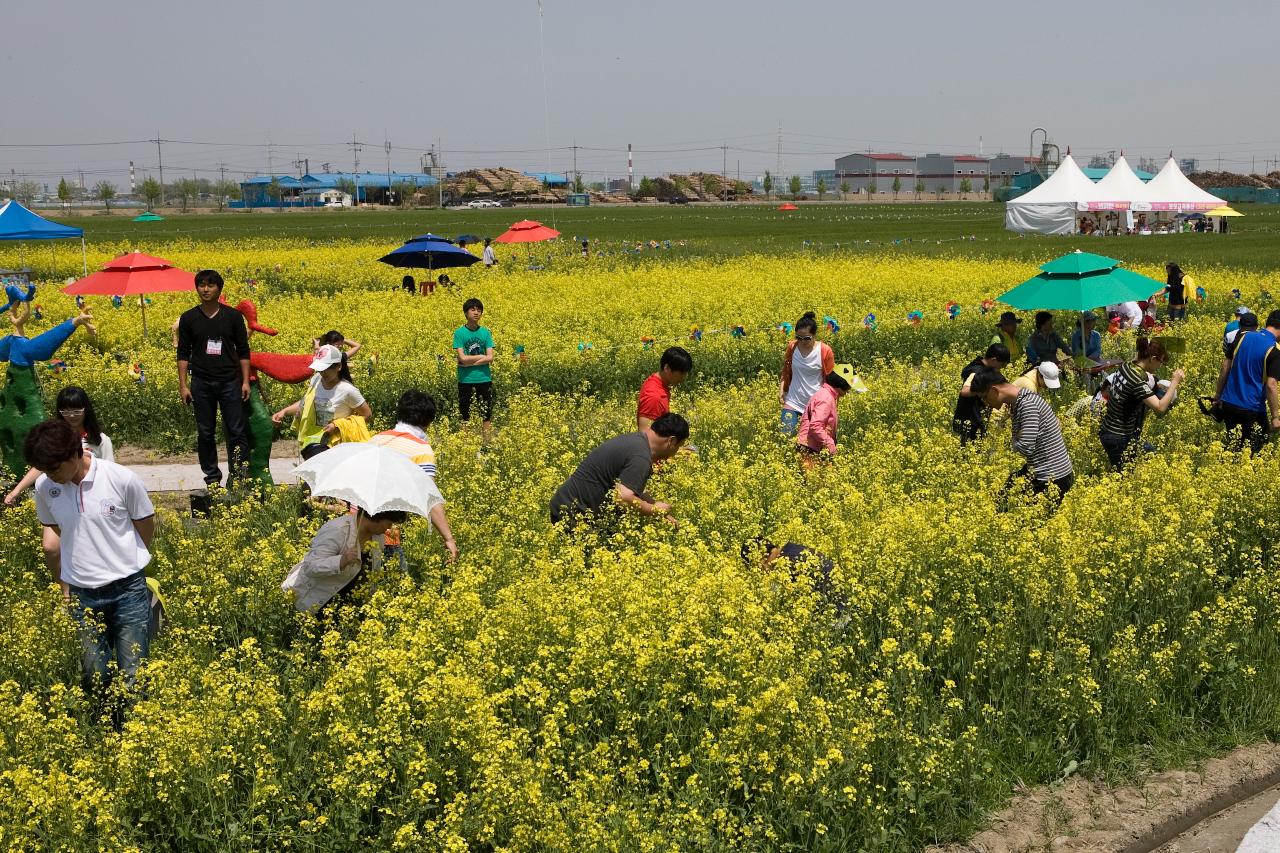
[84, 257]
[142, 302]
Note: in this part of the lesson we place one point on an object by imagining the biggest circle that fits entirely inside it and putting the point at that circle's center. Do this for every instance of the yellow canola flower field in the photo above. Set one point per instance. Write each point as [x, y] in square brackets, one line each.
[651, 690]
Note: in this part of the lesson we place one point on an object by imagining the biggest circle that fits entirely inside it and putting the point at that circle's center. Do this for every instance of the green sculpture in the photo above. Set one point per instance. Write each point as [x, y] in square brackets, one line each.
[21, 405]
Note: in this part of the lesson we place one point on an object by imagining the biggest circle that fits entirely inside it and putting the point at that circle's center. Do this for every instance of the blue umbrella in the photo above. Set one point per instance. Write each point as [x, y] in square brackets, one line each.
[429, 252]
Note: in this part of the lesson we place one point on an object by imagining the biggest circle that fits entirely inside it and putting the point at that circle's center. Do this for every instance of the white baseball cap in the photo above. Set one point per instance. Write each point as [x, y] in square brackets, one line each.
[1050, 374]
[1241, 310]
[327, 356]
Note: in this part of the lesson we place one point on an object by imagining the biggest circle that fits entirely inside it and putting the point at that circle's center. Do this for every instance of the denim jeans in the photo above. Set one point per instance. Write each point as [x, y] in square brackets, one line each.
[206, 399]
[1121, 449]
[1177, 312]
[789, 423]
[113, 622]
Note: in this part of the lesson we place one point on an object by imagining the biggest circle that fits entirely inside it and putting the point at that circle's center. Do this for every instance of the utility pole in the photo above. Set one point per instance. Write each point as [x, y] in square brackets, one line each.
[297, 164]
[724, 172]
[387, 146]
[160, 160]
[355, 155]
[575, 165]
[778, 166]
[271, 163]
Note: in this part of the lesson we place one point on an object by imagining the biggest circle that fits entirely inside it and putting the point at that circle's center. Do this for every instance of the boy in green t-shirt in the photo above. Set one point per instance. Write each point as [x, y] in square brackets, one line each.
[473, 345]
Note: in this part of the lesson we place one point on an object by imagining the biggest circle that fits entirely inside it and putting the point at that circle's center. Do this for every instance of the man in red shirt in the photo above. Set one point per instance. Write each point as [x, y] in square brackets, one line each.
[654, 400]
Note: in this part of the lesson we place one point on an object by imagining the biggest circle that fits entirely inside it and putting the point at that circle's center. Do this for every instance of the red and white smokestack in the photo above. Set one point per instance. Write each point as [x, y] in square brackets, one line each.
[133, 184]
[631, 172]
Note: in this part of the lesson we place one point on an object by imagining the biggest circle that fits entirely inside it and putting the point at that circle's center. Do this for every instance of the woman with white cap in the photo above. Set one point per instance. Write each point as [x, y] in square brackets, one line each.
[330, 397]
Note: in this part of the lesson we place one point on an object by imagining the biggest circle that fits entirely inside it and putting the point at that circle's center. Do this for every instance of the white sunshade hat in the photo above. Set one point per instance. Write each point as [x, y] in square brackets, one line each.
[328, 356]
[1050, 374]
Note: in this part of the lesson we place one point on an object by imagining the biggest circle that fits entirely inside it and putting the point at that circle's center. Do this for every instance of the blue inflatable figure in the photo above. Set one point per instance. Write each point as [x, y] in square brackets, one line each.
[21, 405]
[15, 295]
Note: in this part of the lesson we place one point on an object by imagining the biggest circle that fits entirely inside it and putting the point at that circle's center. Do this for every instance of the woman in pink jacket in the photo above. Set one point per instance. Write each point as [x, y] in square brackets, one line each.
[821, 418]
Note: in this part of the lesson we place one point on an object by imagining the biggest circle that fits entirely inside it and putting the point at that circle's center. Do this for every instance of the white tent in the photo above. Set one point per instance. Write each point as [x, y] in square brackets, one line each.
[1170, 190]
[1051, 207]
[1122, 183]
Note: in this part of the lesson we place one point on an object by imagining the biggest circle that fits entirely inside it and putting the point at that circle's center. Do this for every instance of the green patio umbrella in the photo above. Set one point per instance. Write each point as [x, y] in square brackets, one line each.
[1080, 281]
[149, 217]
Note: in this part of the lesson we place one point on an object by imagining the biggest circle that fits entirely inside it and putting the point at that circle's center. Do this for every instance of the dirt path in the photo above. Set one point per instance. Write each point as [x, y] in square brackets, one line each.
[131, 454]
[1188, 811]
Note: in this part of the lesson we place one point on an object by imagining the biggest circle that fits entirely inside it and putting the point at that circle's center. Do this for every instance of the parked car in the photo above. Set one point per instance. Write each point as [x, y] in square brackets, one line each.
[678, 200]
[483, 202]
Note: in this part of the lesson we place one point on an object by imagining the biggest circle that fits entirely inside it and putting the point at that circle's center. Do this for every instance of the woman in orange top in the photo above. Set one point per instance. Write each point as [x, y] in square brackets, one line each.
[806, 362]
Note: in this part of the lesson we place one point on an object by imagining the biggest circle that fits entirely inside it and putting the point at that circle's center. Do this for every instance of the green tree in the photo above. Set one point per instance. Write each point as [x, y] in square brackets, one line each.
[578, 185]
[919, 186]
[403, 191]
[872, 189]
[741, 189]
[151, 192]
[897, 186]
[224, 190]
[274, 190]
[26, 191]
[646, 188]
[821, 187]
[767, 183]
[1006, 181]
[793, 184]
[986, 183]
[64, 193]
[104, 191]
[965, 186]
[508, 185]
[844, 189]
[347, 186]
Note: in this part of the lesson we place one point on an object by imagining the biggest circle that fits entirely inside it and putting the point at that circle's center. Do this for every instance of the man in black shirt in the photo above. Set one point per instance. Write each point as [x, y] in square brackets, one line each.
[968, 421]
[213, 348]
[616, 472]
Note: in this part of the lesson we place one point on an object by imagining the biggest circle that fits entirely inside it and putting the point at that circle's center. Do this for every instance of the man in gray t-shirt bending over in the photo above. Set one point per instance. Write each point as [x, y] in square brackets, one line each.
[620, 467]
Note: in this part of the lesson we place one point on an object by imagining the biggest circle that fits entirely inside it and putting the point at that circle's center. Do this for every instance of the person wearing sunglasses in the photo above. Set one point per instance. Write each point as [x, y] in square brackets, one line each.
[74, 407]
[804, 368]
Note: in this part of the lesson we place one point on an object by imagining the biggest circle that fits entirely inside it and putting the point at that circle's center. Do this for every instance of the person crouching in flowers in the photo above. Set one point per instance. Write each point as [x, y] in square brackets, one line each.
[821, 418]
[614, 475]
[1037, 435]
[344, 552]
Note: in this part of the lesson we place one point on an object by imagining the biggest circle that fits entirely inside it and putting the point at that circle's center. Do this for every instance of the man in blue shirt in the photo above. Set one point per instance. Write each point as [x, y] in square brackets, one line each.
[1249, 385]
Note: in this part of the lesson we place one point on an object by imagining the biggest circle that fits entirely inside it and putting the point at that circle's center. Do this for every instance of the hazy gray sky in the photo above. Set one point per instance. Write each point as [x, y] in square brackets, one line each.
[665, 75]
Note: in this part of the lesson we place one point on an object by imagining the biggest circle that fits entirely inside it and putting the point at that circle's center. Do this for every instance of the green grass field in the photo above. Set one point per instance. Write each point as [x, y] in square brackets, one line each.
[928, 229]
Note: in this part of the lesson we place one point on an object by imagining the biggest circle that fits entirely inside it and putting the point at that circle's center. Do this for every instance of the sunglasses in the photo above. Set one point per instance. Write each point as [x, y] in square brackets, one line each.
[68, 413]
[804, 337]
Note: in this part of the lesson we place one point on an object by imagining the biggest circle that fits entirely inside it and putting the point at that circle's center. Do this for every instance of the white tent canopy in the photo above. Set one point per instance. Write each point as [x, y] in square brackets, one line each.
[1170, 190]
[1051, 207]
[1122, 183]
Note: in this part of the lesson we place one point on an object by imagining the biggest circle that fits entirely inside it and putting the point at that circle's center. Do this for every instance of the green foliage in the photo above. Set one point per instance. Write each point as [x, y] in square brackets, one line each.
[104, 191]
[151, 191]
[793, 184]
[767, 183]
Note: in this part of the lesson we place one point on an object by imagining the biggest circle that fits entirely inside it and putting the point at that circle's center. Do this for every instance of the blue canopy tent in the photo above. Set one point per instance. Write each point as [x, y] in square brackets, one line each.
[18, 223]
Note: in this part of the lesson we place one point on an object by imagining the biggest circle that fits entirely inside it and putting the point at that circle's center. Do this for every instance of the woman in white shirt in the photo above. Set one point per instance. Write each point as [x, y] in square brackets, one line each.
[805, 365]
[74, 407]
[330, 397]
[343, 552]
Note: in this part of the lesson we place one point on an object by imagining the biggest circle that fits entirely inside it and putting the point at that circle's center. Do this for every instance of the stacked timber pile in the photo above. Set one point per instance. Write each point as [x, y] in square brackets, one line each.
[1269, 181]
